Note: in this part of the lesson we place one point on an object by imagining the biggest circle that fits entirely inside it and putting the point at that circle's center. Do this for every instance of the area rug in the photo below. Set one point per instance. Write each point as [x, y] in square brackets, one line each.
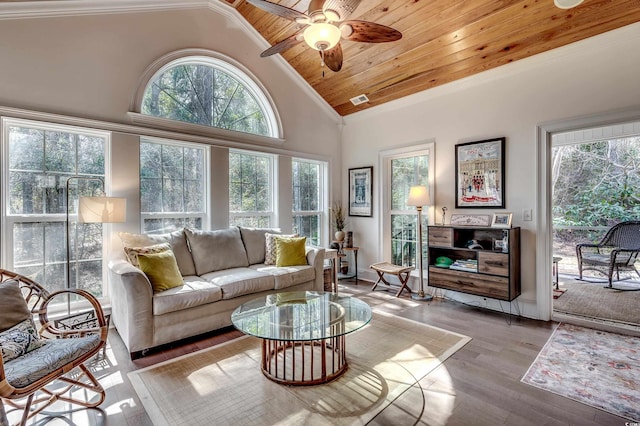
[594, 367]
[224, 385]
[593, 300]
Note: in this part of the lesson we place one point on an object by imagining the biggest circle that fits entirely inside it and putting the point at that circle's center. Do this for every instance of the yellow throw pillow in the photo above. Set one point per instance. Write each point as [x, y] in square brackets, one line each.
[291, 251]
[161, 269]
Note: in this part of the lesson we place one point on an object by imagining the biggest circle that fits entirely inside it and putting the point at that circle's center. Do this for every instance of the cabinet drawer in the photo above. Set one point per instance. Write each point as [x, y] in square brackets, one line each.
[479, 284]
[442, 237]
[493, 263]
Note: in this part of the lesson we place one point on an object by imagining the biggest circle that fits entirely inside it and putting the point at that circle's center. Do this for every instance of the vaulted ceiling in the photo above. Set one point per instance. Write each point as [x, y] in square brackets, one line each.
[443, 41]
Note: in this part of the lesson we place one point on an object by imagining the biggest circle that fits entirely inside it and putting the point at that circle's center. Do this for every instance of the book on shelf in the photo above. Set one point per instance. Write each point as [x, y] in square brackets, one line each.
[469, 265]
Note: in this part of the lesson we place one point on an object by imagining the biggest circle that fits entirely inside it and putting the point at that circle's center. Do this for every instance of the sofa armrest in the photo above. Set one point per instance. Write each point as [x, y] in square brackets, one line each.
[131, 305]
[315, 258]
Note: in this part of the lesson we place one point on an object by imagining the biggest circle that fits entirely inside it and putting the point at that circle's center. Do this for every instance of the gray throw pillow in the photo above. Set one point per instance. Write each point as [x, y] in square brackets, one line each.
[254, 242]
[216, 250]
[13, 307]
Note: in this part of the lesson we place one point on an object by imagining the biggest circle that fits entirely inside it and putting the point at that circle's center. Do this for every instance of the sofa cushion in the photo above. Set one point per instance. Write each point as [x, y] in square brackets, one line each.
[255, 242]
[291, 251]
[12, 305]
[216, 250]
[194, 292]
[178, 242]
[287, 276]
[161, 269]
[240, 281]
[270, 253]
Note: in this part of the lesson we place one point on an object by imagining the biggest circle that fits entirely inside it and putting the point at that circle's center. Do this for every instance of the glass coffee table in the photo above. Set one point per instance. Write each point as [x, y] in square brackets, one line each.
[303, 333]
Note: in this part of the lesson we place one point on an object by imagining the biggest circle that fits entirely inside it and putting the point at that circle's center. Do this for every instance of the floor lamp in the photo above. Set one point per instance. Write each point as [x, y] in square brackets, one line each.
[92, 210]
[418, 197]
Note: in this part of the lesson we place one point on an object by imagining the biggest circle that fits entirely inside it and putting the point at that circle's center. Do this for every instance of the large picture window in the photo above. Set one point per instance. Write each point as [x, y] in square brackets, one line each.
[39, 160]
[251, 177]
[173, 190]
[402, 171]
[211, 92]
[308, 202]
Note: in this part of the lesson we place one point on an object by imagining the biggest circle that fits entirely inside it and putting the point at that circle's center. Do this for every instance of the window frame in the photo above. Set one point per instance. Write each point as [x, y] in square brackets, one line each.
[7, 220]
[206, 176]
[322, 211]
[428, 214]
[271, 213]
[226, 64]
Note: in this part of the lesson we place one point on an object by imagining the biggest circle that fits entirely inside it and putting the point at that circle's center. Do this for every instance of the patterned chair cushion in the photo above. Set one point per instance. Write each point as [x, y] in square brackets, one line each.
[55, 353]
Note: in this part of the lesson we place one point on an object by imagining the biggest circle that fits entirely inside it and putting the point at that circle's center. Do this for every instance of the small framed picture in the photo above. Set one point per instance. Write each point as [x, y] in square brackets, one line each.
[361, 191]
[498, 244]
[501, 220]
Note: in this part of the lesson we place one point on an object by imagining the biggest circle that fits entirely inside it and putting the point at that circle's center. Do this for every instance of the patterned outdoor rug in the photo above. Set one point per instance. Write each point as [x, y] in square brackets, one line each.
[224, 385]
[594, 367]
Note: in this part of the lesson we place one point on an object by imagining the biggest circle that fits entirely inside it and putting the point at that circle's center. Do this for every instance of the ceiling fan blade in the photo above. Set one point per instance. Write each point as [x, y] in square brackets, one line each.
[344, 7]
[333, 58]
[276, 9]
[368, 32]
[283, 45]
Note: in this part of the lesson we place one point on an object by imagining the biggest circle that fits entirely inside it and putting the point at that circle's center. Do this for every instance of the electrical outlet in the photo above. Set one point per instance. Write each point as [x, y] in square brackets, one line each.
[527, 215]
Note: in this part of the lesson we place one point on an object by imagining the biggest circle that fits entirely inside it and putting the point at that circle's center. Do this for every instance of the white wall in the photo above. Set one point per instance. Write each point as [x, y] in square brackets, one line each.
[90, 67]
[589, 77]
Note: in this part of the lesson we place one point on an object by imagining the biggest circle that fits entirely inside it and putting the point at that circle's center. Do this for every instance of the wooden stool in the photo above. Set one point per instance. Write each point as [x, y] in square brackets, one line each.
[402, 272]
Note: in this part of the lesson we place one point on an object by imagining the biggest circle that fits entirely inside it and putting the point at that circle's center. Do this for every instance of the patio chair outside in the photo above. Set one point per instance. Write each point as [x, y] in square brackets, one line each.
[616, 252]
[37, 379]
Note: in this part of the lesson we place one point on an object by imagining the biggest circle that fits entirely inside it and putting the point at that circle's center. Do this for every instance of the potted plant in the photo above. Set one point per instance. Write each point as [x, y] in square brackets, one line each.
[339, 219]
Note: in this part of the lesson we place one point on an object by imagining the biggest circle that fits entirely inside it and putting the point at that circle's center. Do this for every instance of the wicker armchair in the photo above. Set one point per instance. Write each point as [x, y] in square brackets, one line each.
[56, 370]
[616, 252]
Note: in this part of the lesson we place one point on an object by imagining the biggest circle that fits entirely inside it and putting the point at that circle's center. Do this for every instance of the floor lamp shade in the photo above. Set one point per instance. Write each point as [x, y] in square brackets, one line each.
[101, 210]
[418, 196]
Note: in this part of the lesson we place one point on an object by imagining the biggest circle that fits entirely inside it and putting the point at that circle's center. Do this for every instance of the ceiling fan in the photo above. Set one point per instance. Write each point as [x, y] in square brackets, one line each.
[324, 26]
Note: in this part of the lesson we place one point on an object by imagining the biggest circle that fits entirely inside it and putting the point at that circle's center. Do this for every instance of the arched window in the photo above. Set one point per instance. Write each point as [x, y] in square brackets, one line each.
[212, 92]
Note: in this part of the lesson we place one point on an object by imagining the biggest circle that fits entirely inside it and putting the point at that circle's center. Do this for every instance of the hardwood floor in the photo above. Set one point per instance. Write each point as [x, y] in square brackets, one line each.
[478, 385]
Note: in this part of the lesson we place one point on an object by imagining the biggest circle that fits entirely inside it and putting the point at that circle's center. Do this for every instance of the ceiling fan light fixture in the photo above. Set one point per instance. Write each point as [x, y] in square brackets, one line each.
[567, 4]
[322, 36]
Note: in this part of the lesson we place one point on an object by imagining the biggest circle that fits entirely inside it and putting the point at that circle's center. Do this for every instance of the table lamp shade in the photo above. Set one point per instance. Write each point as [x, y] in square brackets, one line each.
[101, 210]
[418, 196]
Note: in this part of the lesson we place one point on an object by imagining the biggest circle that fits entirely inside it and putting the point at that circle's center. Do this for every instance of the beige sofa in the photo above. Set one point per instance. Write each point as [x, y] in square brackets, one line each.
[220, 270]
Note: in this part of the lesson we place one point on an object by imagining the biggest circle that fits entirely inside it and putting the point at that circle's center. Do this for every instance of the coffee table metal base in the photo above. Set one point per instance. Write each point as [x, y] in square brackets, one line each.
[304, 363]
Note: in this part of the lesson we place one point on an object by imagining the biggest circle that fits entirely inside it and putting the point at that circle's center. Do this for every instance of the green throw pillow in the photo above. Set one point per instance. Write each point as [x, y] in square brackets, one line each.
[291, 251]
[161, 269]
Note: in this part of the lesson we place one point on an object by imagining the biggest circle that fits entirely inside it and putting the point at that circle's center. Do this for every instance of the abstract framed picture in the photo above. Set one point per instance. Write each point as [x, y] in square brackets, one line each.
[480, 174]
[361, 191]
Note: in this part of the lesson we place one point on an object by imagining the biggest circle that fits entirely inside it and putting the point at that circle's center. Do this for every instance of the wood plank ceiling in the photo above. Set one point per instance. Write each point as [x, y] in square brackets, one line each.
[443, 41]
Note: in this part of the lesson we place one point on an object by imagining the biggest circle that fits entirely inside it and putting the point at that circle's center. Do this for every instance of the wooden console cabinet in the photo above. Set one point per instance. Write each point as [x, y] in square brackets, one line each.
[497, 274]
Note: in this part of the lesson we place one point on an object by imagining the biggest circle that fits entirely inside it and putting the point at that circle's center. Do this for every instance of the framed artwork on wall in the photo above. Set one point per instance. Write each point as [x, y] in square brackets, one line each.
[361, 191]
[501, 220]
[480, 176]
